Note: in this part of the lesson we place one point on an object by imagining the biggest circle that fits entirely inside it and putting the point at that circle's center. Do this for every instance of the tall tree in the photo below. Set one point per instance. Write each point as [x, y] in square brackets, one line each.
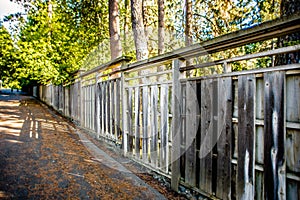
[114, 30]
[138, 30]
[161, 26]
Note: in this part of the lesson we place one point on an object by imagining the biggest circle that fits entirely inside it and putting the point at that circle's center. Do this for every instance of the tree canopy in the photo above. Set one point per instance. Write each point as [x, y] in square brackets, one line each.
[58, 37]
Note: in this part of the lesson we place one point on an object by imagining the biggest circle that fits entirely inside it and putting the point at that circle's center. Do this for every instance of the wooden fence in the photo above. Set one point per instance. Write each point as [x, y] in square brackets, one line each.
[227, 135]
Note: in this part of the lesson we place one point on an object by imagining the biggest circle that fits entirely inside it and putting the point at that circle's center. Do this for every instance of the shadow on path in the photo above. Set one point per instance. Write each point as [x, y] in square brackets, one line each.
[42, 157]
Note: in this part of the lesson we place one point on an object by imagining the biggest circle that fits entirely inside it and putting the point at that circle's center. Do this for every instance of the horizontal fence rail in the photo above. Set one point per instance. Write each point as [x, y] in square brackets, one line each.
[195, 118]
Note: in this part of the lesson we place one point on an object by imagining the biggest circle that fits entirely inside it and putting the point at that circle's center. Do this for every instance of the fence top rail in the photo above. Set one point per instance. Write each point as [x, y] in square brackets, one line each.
[244, 57]
[290, 69]
[261, 32]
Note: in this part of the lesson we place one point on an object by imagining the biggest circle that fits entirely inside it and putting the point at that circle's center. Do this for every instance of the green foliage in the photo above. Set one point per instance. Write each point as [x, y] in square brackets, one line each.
[9, 60]
[55, 41]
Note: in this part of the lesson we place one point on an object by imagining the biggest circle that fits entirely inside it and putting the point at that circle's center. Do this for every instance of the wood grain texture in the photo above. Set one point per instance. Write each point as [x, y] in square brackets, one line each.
[192, 119]
[176, 125]
[100, 108]
[154, 127]
[164, 128]
[137, 121]
[112, 110]
[223, 186]
[129, 121]
[145, 124]
[246, 137]
[118, 110]
[206, 147]
[274, 131]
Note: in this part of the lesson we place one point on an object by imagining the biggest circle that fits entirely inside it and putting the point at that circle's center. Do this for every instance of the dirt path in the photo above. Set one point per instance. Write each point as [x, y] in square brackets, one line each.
[43, 157]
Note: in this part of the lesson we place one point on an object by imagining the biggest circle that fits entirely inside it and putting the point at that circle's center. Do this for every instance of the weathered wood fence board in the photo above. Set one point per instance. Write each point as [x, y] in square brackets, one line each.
[136, 120]
[145, 124]
[246, 139]
[224, 149]
[176, 124]
[207, 128]
[154, 126]
[164, 128]
[130, 112]
[192, 118]
[274, 161]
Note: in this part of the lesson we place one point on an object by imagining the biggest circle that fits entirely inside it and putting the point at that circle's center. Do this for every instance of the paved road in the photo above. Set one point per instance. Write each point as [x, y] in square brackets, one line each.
[43, 156]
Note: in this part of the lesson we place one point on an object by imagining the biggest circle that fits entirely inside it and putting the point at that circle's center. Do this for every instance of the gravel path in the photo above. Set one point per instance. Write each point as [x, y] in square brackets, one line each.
[44, 156]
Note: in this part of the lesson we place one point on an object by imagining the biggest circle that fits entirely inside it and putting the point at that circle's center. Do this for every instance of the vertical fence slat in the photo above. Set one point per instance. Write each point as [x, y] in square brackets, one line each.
[154, 128]
[90, 88]
[192, 120]
[176, 125]
[98, 106]
[205, 179]
[182, 129]
[79, 101]
[118, 110]
[93, 107]
[223, 186]
[292, 146]
[83, 103]
[88, 106]
[274, 152]
[102, 108]
[108, 116]
[246, 137]
[129, 120]
[84, 91]
[164, 126]
[124, 116]
[137, 121]
[112, 110]
[145, 124]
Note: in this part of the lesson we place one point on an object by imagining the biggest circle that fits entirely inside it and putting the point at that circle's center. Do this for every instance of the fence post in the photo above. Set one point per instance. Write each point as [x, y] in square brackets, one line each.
[176, 123]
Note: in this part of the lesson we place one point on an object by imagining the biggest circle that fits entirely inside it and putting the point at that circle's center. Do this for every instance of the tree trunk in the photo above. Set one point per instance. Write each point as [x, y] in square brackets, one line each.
[126, 26]
[188, 23]
[138, 29]
[114, 30]
[287, 8]
[161, 26]
[188, 30]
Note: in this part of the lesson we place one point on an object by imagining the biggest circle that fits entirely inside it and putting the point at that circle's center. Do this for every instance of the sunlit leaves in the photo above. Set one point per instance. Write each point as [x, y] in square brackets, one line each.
[50, 49]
